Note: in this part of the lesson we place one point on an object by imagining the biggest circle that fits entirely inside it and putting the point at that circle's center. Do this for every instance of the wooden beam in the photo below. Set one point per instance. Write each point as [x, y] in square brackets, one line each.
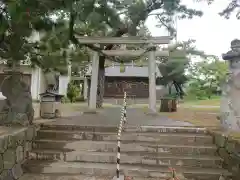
[132, 53]
[124, 40]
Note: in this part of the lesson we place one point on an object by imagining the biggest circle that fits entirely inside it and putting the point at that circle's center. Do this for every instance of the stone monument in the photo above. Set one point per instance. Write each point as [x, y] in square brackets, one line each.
[230, 102]
[17, 107]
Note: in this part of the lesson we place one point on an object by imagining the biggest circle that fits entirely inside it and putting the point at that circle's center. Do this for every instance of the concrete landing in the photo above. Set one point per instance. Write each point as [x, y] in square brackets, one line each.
[111, 116]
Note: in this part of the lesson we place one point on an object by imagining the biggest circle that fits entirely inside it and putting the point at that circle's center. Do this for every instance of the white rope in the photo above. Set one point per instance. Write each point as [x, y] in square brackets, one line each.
[120, 128]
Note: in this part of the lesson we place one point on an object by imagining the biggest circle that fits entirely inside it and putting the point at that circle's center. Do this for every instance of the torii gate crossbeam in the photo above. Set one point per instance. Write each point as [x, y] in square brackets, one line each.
[124, 40]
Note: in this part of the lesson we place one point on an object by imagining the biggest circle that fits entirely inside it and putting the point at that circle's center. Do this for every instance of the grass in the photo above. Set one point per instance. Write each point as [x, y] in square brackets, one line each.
[198, 116]
[207, 102]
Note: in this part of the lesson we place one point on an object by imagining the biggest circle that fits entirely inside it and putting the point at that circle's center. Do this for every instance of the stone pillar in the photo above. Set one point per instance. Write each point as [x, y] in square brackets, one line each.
[152, 80]
[230, 102]
[85, 88]
[94, 81]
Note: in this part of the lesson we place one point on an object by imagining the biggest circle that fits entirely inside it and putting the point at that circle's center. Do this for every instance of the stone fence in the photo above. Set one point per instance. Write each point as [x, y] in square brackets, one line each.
[15, 143]
[229, 150]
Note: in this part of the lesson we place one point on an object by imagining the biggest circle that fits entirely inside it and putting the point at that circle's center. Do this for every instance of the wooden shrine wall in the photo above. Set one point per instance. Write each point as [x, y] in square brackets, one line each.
[134, 86]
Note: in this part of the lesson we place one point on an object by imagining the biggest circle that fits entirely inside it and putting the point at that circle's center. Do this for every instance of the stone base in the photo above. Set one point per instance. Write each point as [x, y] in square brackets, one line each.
[149, 112]
[121, 177]
[20, 119]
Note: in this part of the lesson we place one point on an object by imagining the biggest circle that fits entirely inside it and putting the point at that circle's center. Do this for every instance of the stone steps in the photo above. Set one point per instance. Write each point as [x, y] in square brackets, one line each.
[75, 152]
[128, 158]
[142, 129]
[111, 146]
[164, 138]
[108, 170]
[62, 177]
[75, 177]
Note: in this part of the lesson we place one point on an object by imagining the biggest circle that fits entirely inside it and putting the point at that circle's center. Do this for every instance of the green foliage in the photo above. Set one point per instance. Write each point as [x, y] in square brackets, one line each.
[122, 68]
[233, 6]
[55, 50]
[19, 19]
[206, 78]
[72, 92]
[173, 68]
[65, 100]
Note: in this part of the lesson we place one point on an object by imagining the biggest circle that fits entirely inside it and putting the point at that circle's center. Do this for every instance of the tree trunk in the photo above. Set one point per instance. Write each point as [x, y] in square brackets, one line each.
[101, 71]
[101, 82]
[179, 89]
[18, 108]
[169, 89]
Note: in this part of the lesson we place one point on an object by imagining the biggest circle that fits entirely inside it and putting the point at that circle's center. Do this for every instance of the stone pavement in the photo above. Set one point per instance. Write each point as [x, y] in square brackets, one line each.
[111, 116]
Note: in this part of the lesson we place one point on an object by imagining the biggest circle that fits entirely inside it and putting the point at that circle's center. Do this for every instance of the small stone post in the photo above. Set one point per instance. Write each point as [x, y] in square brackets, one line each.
[230, 103]
[152, 80]
[94, 81]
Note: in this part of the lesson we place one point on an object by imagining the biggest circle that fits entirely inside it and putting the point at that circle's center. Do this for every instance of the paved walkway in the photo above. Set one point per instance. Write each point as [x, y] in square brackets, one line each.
[111, 116]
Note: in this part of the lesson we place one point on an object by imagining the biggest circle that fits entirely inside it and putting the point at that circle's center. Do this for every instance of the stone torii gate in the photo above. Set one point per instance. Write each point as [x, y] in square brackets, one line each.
[151, 41]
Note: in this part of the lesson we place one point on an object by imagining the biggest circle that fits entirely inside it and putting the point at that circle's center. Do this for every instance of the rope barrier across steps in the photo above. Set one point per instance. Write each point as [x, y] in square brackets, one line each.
[120, 128]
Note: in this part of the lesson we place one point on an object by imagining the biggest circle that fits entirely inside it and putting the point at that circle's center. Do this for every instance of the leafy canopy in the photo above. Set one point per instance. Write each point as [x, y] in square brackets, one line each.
[19, 19]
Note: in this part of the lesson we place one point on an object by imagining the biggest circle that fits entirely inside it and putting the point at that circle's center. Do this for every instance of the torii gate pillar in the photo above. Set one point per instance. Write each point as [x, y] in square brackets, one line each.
[152, 80]
[94, 81]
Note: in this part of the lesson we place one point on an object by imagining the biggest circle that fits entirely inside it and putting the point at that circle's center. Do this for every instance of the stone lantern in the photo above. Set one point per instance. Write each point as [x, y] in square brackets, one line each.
[230, 103]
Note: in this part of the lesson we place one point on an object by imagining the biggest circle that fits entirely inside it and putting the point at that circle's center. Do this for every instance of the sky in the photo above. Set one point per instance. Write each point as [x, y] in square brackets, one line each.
[213, 33]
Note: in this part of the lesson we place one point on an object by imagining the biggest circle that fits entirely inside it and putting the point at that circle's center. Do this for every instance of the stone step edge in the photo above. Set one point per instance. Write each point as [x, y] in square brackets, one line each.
[37, 176]
[112, 167]
[127, 127]
[142, 143]
[148, 155]
[31, 176]
[130, 133]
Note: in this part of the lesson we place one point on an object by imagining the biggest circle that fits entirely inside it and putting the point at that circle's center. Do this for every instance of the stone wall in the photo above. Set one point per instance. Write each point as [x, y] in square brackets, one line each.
[229, 151]
[15, 143]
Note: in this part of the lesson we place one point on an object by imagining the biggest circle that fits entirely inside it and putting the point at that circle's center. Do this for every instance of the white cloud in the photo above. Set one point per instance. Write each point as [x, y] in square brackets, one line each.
[212, 32]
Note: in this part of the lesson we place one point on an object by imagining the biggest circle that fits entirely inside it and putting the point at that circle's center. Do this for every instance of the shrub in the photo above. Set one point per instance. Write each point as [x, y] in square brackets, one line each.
[72, 92]
[65, 100]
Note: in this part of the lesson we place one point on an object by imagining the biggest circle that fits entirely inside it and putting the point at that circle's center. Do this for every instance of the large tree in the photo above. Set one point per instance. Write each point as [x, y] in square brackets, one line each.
[19, 19]
[173, 68]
